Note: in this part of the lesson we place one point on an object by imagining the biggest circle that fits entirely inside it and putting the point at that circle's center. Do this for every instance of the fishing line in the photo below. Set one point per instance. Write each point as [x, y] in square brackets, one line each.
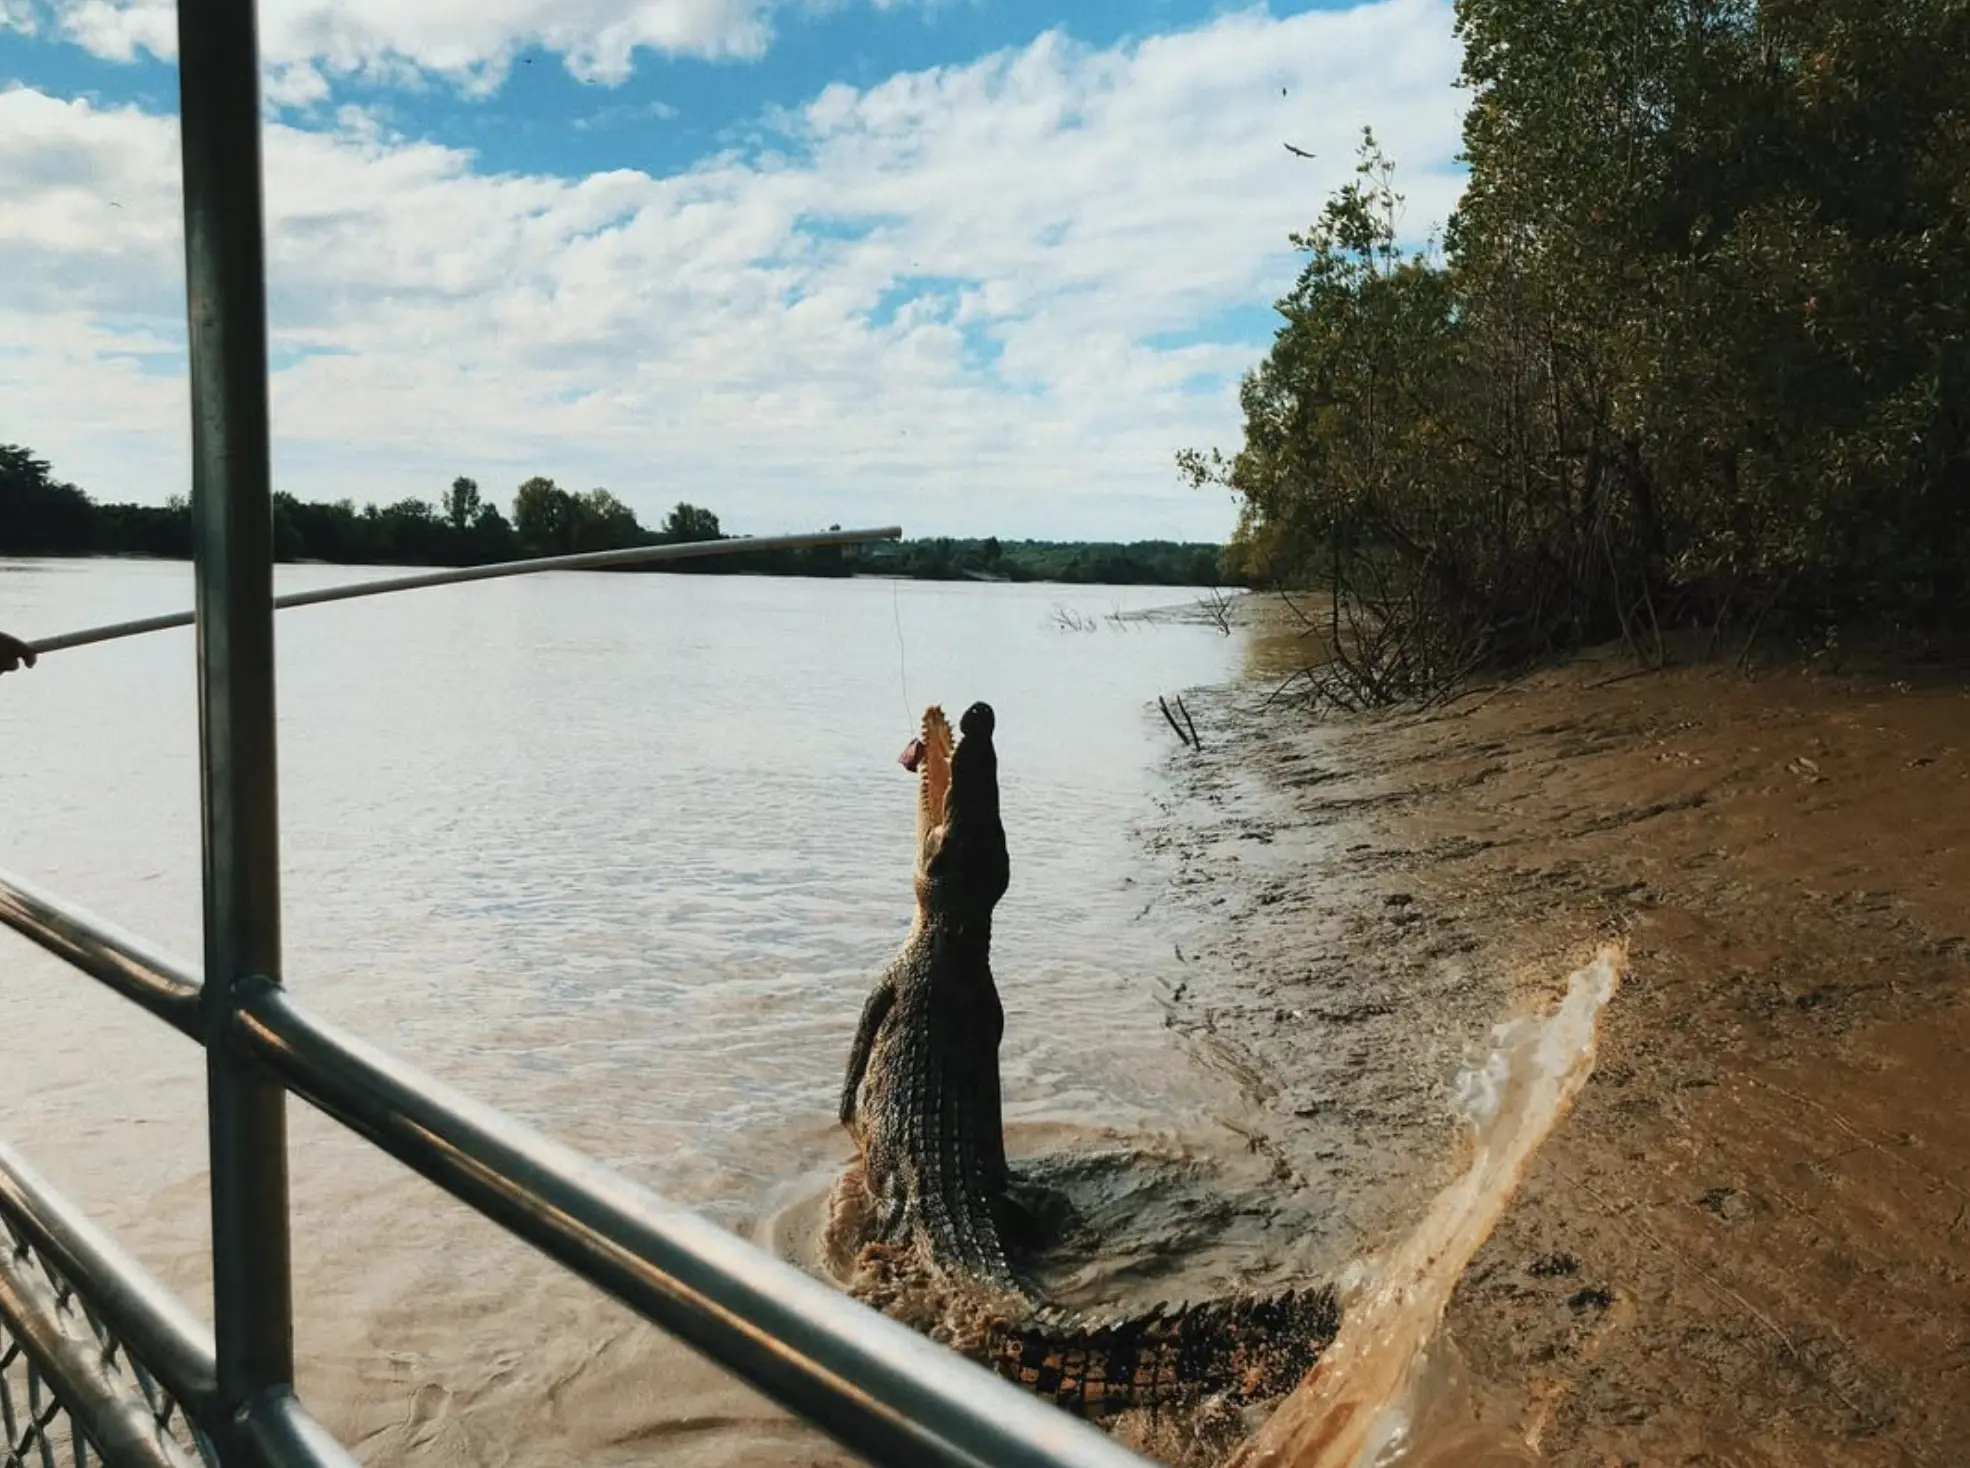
[902, 660]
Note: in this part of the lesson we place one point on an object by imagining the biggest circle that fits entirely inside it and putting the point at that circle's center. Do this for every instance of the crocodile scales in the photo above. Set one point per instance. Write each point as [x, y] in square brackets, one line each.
[930, 1187]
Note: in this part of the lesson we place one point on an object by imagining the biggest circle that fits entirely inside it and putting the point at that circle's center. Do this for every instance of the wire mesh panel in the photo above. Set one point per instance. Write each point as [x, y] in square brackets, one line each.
[38, 1430]
[60, 1366]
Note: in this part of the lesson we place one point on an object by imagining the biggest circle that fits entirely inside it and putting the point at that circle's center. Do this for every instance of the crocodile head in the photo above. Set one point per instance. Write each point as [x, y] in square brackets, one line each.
[962, 866]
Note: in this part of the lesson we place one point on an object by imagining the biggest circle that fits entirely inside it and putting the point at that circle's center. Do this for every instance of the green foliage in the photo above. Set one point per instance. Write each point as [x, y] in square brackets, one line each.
[687, 523]
[1696, 353]
[545, 517]
[39, 513]
[462, 504]
[1137, 563]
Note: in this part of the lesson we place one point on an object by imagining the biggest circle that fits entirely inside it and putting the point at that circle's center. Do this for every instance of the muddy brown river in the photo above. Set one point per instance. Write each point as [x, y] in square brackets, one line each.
[622, 854]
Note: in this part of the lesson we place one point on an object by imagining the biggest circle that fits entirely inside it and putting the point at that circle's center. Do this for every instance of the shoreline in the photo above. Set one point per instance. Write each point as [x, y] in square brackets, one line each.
[1750, 1241]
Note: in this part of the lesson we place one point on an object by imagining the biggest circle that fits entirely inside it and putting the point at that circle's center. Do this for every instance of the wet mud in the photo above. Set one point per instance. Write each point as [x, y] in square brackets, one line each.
[1748, 1242]
[1376, 1396]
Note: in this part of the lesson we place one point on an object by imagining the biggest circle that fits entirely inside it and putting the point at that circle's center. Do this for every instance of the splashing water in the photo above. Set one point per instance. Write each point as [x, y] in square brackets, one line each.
[1374, 1400]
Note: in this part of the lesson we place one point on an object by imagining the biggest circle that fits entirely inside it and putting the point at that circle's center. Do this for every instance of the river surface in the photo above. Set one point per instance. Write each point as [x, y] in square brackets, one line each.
[621, 854]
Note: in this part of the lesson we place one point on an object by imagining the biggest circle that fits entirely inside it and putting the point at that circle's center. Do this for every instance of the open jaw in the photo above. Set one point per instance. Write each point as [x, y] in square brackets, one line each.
[929, 757]
[961, 846]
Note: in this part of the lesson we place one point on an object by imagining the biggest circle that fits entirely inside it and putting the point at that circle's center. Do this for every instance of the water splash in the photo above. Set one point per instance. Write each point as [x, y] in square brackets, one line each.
[1377, 1398]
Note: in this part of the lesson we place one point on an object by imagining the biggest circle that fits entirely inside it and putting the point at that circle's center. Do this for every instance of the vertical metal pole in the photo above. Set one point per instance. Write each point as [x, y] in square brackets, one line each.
[232, 510]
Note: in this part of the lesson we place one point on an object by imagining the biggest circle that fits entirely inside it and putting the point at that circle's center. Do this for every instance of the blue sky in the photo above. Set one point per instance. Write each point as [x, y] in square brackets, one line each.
[978, 266]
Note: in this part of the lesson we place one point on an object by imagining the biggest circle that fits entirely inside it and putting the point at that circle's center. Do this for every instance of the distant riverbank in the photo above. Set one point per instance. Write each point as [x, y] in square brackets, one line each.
[41, 515]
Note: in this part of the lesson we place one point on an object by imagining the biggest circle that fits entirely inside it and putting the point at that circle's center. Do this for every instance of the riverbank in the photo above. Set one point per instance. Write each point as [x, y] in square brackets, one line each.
[1750, 1241]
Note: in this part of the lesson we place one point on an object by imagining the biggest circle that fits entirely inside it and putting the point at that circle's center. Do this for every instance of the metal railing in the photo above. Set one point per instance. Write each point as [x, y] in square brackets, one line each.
[874, 1385]
[131, 1368]
[97, 1361]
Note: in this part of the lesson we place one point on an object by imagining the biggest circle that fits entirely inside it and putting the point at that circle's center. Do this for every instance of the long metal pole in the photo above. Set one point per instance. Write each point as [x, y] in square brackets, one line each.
[580, 561]
[233, 551]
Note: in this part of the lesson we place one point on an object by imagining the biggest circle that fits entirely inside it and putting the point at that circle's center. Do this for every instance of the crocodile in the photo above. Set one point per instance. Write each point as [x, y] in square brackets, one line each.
[929, 1196]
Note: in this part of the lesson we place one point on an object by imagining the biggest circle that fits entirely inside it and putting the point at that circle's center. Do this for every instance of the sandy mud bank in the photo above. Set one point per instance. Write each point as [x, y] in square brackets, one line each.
[1749, 1241]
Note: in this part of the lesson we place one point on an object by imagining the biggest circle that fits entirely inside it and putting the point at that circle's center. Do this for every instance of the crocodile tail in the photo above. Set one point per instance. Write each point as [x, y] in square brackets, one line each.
[1244, 1349]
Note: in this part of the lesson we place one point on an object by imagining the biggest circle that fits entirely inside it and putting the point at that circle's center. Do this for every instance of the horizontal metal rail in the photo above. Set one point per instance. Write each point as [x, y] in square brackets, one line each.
[279, 1433]
[150, 1326]
[111, 1416]
[149, 979]
[635, 555]
[173, 1344]
[871, 1383]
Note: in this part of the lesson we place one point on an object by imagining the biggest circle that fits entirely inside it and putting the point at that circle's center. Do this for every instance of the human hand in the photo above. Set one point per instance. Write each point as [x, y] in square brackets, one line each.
[14, 654]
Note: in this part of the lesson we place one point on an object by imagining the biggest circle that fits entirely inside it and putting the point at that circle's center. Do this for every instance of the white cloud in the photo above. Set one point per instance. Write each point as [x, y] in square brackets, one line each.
[466, 41]
[294, 84]
[717, 334]
[626, 115]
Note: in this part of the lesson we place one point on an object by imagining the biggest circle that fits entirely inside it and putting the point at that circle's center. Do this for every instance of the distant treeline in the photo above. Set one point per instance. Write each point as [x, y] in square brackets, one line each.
[41, 515]
[1113, 563]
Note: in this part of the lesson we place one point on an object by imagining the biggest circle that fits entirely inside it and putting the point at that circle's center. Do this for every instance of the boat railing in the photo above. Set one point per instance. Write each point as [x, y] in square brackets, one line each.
[88, 1331]
[99, 1362]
